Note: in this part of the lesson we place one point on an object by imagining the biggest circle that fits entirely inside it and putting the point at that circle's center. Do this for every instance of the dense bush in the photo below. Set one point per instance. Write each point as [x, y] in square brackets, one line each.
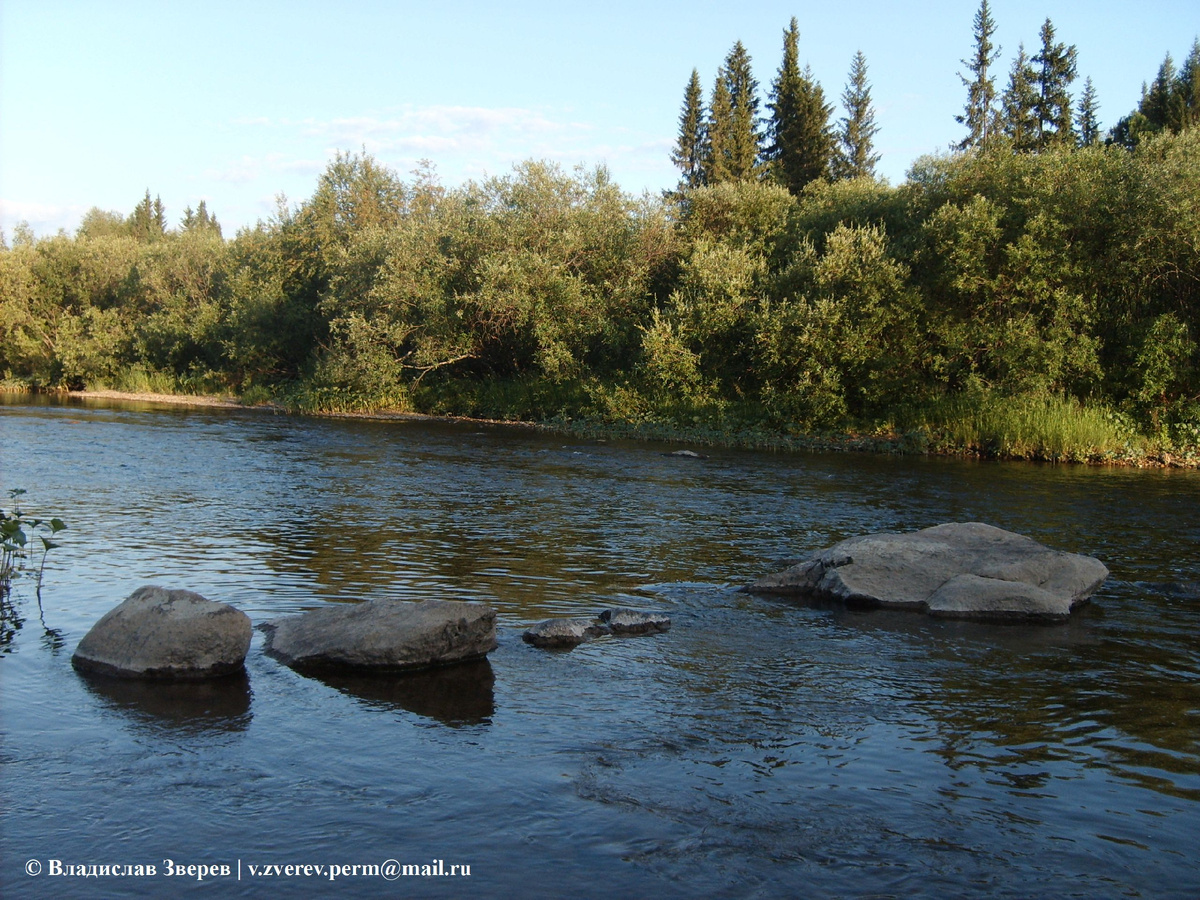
[1067, 275]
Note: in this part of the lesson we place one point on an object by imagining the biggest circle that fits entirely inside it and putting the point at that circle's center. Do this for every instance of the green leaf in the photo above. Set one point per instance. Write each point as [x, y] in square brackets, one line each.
[57, 525]
[49, 545]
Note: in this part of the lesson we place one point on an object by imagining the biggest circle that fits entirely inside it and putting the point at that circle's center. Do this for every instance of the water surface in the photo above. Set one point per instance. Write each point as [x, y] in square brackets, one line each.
[759, 749]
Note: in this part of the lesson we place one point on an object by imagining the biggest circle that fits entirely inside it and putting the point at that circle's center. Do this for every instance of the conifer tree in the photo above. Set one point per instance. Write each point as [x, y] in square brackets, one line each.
[979, 115]
[1086, 121]
[688, 155]
[1170, 103]
[1188, 88]
[718, 135]
[1055, 68]
[784, 104]
[853, 157]
[1156, 102]
[148, 222]
[745, 136]
[801, 141]
[1019, 120]
[200, 220]
[817, 140]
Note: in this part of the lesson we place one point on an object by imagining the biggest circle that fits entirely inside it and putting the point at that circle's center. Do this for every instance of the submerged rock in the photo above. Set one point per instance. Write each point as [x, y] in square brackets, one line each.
[1184, 590]
[571, 632]
[160, 633]
[384, 634]
[567, 632]
[686, 454]
[632, 621]
[960, 570]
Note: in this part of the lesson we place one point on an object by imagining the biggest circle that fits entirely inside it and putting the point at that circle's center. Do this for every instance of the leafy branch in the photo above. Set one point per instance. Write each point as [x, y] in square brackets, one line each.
[18, 550]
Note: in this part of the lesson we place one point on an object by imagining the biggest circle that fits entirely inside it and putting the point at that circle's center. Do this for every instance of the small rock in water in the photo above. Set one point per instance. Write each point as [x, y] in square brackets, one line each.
[565, 632]
[686, 454]
[632, 621]
[160, 633]
[571, 632]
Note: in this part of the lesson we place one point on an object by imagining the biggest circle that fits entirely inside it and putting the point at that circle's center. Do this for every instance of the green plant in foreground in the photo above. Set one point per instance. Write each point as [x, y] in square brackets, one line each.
[16, 533]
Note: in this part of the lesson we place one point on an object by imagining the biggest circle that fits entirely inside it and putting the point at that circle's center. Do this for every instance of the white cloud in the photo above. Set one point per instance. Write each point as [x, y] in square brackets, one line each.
[239, 171]
[43, 218]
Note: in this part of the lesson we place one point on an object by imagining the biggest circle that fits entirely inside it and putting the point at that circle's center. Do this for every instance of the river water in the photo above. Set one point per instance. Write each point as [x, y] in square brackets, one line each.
[759, 749]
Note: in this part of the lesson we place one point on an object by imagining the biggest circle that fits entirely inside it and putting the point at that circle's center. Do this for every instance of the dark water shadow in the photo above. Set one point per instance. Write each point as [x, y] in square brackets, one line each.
[214, 705]
[456, 695]
[1017, 634]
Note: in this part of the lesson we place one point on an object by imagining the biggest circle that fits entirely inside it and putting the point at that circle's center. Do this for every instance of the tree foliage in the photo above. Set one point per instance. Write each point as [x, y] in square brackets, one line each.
[1019, 118]
[1170, 104]
[734, 132]
[979, 115]
[854, 156]
[801, 140]
[1071, 272]
[1055, 68]
[688, 155]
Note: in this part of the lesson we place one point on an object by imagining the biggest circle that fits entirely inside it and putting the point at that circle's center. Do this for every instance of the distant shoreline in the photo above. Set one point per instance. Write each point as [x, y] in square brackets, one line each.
[170, 399]
[211, 401]
[672, 435]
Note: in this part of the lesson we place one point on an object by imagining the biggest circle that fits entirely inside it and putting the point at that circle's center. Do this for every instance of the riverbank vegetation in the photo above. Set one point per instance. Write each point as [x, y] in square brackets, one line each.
[1034, 301]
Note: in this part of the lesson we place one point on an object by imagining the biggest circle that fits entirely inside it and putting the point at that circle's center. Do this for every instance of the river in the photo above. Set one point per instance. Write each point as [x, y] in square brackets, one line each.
[761, 748]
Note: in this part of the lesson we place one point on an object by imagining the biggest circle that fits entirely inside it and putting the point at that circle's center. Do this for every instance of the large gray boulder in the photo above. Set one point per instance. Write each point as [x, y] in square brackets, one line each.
[384, 634]
[961, 570]
[160, 633]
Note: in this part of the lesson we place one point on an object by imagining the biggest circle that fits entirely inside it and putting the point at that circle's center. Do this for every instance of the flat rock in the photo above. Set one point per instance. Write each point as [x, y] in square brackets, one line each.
[384, 634]
[632, 621]
[565, 632]
[161, 633]
[962, 570]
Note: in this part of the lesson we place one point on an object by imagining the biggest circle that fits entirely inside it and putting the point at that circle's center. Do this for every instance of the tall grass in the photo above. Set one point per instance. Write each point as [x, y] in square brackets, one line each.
[1037, 426]
[138, 379]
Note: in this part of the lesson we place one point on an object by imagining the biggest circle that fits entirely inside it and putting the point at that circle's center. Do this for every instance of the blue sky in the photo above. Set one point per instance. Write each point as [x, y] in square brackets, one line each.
[235, 103]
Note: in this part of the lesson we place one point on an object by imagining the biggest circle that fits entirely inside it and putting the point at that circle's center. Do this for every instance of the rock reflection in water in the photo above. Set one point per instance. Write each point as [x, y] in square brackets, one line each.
[215, 704]
[453, 695]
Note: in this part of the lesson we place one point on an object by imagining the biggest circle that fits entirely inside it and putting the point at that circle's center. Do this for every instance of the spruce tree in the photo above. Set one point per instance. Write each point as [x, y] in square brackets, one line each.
[801, 141]
[816, 135]
[200, 220]
[148, 222]
[1188, 88]
[688, 155]
[1086, 121]
[1055, 68]
[745, 136]
[853, 157]
[979, 115]
[718, 134]
[784, 104]
[1019, 119]
[1169, 103]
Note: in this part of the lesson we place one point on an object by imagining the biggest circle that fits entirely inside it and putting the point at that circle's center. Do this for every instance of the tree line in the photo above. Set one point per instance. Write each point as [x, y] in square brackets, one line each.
[1065, 272]
[728, 140]
[797, 142]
